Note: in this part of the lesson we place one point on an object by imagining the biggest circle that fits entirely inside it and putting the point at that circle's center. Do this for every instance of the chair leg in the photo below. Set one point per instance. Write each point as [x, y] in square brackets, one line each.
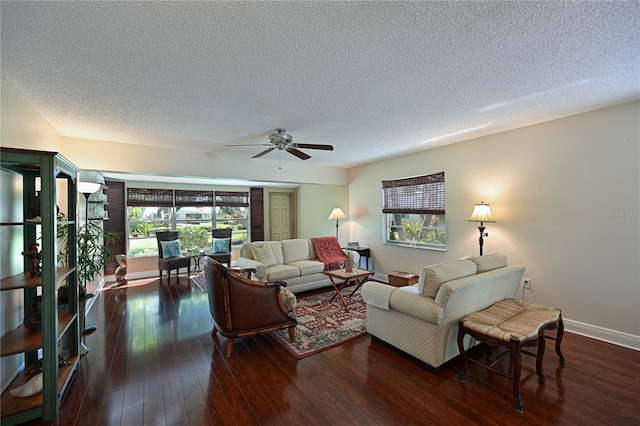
[229, 346]
[292, 333]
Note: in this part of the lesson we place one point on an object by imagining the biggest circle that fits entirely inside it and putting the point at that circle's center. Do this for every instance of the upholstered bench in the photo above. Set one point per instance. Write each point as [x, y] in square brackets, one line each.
[513, 324]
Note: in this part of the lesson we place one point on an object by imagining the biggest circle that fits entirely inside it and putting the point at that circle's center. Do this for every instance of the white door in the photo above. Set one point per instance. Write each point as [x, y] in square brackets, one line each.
[281, 216]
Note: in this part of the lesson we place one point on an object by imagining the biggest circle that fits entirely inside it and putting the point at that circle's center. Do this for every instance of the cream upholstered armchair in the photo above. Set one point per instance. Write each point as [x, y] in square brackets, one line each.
[241, 307]
[169, 255]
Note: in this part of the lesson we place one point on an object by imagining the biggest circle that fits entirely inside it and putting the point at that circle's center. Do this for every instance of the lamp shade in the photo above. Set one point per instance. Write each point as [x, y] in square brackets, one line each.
[481, 213]
[337, 213]
[89, 182]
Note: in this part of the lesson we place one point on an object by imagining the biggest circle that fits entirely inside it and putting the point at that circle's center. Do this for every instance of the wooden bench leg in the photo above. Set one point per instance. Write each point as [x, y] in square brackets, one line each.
[559, 335]
[515, 349]
[540, 359]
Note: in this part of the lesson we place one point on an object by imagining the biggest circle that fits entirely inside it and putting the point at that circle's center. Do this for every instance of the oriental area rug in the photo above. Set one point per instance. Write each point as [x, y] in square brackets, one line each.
[323, 325]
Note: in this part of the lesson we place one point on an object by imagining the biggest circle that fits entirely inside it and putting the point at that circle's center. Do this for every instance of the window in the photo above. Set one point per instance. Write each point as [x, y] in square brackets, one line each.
[414, 212]
[149, 211]
[232, 212]
[155, 210]
[193, 218]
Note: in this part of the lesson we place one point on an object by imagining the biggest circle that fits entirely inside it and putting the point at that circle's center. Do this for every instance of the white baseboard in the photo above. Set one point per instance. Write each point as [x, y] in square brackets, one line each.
[138, 275]
[603, 334]
[90, 302]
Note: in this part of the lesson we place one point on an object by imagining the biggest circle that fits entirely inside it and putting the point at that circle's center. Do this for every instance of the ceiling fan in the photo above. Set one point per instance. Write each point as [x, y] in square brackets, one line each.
[282, 141]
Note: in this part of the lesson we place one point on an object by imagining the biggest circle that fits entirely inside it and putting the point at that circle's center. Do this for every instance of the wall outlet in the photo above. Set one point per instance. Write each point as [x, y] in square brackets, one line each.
[526, 283]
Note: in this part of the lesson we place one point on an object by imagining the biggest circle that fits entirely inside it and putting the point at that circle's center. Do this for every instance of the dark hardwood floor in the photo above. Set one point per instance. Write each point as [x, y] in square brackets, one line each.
[153, 362]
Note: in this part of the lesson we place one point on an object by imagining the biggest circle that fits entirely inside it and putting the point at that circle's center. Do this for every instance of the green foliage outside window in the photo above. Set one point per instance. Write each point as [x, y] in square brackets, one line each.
[194, 237]
[417, 229]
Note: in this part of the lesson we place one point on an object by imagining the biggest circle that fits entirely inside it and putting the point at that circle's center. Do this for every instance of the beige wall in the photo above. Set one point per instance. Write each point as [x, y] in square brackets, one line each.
[315, 203]
[22, 126]
[565, 195]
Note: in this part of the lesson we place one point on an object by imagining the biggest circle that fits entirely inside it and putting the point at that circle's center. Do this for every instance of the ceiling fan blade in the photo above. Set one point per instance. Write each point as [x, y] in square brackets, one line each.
[301, 155]
[266, 151]
[315, 146]
[252, 144]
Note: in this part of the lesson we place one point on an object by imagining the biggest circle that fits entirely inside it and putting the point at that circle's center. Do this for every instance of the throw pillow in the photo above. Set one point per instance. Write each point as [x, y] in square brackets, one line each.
[264, 255]
[221, 245]
[489, 262]
[432, 277]
[170, 249]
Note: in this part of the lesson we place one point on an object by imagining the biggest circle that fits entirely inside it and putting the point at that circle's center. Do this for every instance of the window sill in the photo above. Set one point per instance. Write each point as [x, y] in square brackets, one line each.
[412, 246]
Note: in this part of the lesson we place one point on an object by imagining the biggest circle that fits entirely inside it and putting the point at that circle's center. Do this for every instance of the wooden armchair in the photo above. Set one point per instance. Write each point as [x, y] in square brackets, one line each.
[242, 308]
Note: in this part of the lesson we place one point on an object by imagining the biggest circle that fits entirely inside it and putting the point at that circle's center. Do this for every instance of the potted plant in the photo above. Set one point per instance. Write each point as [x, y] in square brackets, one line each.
[93, 251]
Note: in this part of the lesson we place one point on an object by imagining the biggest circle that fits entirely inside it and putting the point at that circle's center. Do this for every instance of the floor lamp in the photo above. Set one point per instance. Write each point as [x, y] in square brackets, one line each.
[337, 214]
[481, 213]
[88, 183]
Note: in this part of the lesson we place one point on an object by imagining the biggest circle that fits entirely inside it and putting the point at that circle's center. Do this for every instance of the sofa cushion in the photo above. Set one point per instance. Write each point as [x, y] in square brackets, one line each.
[247, 249]
[264, 255]
[279, 272]
[489, 262]
[308, 267]
[294, 250]
[432, 277]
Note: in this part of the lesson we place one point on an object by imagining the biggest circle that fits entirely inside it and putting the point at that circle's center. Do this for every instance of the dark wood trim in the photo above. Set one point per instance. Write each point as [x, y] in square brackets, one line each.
[257, 214]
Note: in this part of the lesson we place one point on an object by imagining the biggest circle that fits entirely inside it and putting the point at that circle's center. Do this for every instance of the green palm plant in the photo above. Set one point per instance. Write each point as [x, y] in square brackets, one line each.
[93, 250]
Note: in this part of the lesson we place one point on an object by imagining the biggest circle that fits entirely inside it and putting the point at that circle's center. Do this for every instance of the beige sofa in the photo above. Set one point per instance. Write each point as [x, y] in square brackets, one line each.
[422, 320]
[294, 261]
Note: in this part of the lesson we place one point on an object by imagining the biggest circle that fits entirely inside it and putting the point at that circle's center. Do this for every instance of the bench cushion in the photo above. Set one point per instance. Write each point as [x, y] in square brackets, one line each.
[511, 319]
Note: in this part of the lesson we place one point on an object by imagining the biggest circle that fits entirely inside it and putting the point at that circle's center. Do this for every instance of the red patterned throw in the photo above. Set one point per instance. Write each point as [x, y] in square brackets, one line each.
[323, 324]
[328, 251]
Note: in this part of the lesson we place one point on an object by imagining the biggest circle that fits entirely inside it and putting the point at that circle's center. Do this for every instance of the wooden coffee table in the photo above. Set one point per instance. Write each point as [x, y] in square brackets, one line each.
[358, 275]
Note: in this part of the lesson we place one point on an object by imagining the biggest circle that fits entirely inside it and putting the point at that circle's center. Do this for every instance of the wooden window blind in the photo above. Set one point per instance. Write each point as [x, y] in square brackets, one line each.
[232, 199]
[194, 198]
[419, 194]
[149, 197]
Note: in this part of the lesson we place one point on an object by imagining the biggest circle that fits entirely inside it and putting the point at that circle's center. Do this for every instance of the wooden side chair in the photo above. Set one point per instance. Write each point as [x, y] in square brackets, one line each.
[241, 307]
[169, 255]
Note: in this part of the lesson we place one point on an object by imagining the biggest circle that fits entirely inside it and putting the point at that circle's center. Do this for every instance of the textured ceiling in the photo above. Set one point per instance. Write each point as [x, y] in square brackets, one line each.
[375, 79]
